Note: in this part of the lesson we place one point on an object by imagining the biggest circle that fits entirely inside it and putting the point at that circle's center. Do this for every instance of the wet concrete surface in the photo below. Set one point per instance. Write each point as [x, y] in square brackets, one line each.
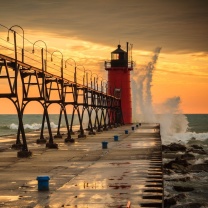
[82, 174]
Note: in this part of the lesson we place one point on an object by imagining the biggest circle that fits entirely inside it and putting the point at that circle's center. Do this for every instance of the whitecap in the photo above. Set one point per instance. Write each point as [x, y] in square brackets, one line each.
[34, 126]
[184, 137]
[13, 126]
[53, 125]
[201, 160]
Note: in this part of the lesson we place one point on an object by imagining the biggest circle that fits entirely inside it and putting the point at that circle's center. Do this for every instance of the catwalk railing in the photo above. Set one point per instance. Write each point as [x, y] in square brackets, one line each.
[26, 77]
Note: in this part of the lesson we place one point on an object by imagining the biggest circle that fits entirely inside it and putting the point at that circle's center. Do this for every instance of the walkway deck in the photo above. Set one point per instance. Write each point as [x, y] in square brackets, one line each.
[126, 174]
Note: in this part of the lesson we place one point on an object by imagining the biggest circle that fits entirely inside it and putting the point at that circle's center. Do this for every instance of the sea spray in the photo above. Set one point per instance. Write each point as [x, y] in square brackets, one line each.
[171, 118]
[142, 82]
[168, 114]
[137, 98]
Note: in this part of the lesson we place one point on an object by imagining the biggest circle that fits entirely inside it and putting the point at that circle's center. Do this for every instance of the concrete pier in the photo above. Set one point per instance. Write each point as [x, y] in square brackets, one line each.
[128, 173]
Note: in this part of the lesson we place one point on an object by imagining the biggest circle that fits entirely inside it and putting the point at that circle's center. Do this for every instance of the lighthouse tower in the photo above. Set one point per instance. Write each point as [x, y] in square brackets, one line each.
[119, 80]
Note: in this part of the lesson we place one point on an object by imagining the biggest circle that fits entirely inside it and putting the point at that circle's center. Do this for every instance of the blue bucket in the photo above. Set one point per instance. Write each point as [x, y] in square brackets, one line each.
[132, 128]
[43, 183]
[116, 138]
[105, 145]
[126, 131]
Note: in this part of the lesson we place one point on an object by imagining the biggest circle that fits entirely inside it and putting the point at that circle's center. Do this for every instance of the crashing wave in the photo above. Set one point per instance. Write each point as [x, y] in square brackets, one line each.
[34, 126]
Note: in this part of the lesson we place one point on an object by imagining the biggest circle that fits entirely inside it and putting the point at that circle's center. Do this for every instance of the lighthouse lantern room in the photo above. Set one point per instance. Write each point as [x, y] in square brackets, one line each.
[119, 84]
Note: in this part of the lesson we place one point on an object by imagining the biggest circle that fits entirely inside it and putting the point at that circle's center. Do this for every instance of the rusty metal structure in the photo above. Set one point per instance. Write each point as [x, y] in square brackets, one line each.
[52, 84]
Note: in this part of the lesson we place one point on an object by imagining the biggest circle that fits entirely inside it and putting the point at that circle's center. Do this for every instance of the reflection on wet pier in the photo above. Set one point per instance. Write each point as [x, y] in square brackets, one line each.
[128, 173]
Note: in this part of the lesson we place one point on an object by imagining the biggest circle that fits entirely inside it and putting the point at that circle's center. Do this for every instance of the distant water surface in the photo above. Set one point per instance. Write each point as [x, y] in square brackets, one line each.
[198, 123]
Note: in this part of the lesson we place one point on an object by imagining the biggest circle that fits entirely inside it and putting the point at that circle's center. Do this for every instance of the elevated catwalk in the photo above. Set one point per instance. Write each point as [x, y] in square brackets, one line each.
[83, 174]
[26, 77]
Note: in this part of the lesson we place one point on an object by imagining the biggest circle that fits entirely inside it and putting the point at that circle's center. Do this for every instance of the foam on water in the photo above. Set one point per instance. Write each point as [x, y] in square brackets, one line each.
[184, 137]
[200, 160]
[34, 126]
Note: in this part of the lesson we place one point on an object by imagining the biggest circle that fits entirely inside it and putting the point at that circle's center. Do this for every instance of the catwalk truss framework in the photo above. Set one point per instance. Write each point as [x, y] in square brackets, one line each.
[103, 111]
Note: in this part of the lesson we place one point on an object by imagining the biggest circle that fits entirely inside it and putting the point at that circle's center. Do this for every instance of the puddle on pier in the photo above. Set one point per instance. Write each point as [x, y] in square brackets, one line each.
[8, 198]
[120, 186]
[140, 144]
[92, 185]
[121, 163]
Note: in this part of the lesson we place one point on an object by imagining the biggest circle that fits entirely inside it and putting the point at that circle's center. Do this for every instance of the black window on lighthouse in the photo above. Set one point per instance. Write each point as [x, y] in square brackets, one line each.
[119, 58]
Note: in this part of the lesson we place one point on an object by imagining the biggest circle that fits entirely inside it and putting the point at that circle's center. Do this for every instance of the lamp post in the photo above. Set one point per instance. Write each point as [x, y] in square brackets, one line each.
[42, 53]
[84, 73]
[106, 85]
[23, 44]
[96, 80]
[101, 83]
[75, 68]
[62, 73]
[90, 77]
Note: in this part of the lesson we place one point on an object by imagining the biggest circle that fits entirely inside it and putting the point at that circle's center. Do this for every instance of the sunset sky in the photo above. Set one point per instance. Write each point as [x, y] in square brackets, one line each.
[89, 30]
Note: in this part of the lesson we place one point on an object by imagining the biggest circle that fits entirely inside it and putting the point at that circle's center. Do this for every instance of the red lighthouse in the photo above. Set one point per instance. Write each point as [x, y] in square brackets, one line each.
[119, 80]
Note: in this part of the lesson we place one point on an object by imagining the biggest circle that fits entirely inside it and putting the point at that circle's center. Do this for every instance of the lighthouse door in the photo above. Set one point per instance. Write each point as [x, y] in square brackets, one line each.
[117, 92]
